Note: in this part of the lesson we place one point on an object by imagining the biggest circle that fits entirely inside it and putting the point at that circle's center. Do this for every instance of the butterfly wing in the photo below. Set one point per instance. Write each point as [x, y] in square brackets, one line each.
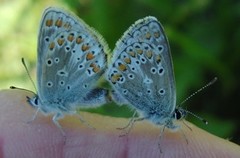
[71, 58]
[141, 70]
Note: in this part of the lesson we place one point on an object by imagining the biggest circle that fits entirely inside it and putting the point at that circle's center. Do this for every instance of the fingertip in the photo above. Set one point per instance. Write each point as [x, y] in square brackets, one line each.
[42, 137]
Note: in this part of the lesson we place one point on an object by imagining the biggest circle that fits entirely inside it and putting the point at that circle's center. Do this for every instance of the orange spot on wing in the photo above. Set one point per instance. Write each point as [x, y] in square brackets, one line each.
[127, 60]
[60, 41]
[96, 68]
[90, 56]
[149, 54]
[49, 22]
[67, 25]
[85, 47]
[158, 59]
[156, 34]
[79, 40]
[132, 53]
[115, 78]
[139, 51]
[70, 37]
[148, 35]
[51, 46]
[58, 23]
[122, 67]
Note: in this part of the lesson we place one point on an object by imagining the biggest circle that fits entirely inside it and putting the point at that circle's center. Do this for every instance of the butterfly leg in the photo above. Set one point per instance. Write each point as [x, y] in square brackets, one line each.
[85, 122]
[34, 116]
[184, 135]
[55, 119]
[160, 138]
[183, 131]
[187, 125]
[130, 122]
[131, 126]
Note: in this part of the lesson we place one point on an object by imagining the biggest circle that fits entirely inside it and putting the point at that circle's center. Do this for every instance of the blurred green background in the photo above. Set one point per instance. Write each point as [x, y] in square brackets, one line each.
[204, 36]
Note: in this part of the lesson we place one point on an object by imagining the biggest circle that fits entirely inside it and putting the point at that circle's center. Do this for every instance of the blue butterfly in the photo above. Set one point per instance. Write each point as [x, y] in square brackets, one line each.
[141, 74]
[71, 59]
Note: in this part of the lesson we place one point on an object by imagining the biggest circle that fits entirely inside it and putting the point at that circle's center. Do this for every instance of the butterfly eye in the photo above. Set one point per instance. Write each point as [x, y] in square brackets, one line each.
[179, 114]
[36, 100]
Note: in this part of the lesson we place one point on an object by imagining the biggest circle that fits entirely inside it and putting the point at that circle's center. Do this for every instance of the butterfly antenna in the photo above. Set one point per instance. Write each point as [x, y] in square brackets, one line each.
[25, 66]
[193, 94]
[13, 87]
[198, 117]
[189, 112]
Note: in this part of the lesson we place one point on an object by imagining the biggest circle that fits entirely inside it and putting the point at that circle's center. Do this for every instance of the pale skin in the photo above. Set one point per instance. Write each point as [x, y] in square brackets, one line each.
[41, 138]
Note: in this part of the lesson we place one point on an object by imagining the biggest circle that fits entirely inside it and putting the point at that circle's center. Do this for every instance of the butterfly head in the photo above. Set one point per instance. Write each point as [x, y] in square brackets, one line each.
[179, 114]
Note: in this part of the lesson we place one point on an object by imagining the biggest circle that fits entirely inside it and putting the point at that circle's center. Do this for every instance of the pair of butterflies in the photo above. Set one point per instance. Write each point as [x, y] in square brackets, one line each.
[72, 57]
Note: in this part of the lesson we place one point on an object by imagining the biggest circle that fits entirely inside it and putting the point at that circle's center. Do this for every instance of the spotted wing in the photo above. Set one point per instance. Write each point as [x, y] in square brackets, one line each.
[71, 59]
[141, 70]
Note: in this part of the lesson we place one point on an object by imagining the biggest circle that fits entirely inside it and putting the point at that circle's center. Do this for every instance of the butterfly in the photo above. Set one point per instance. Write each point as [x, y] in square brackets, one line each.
[141, 74]
[70, 60]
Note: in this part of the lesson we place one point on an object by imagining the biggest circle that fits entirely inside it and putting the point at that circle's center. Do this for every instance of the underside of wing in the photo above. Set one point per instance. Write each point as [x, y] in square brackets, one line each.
[141, 69]
[71, 57]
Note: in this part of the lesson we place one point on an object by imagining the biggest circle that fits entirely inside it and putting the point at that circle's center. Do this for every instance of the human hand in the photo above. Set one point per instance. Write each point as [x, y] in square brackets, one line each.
[41, 138]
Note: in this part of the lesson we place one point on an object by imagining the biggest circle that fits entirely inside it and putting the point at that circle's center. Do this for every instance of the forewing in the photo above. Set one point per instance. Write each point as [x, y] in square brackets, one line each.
[141, 70]
[71, 58]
